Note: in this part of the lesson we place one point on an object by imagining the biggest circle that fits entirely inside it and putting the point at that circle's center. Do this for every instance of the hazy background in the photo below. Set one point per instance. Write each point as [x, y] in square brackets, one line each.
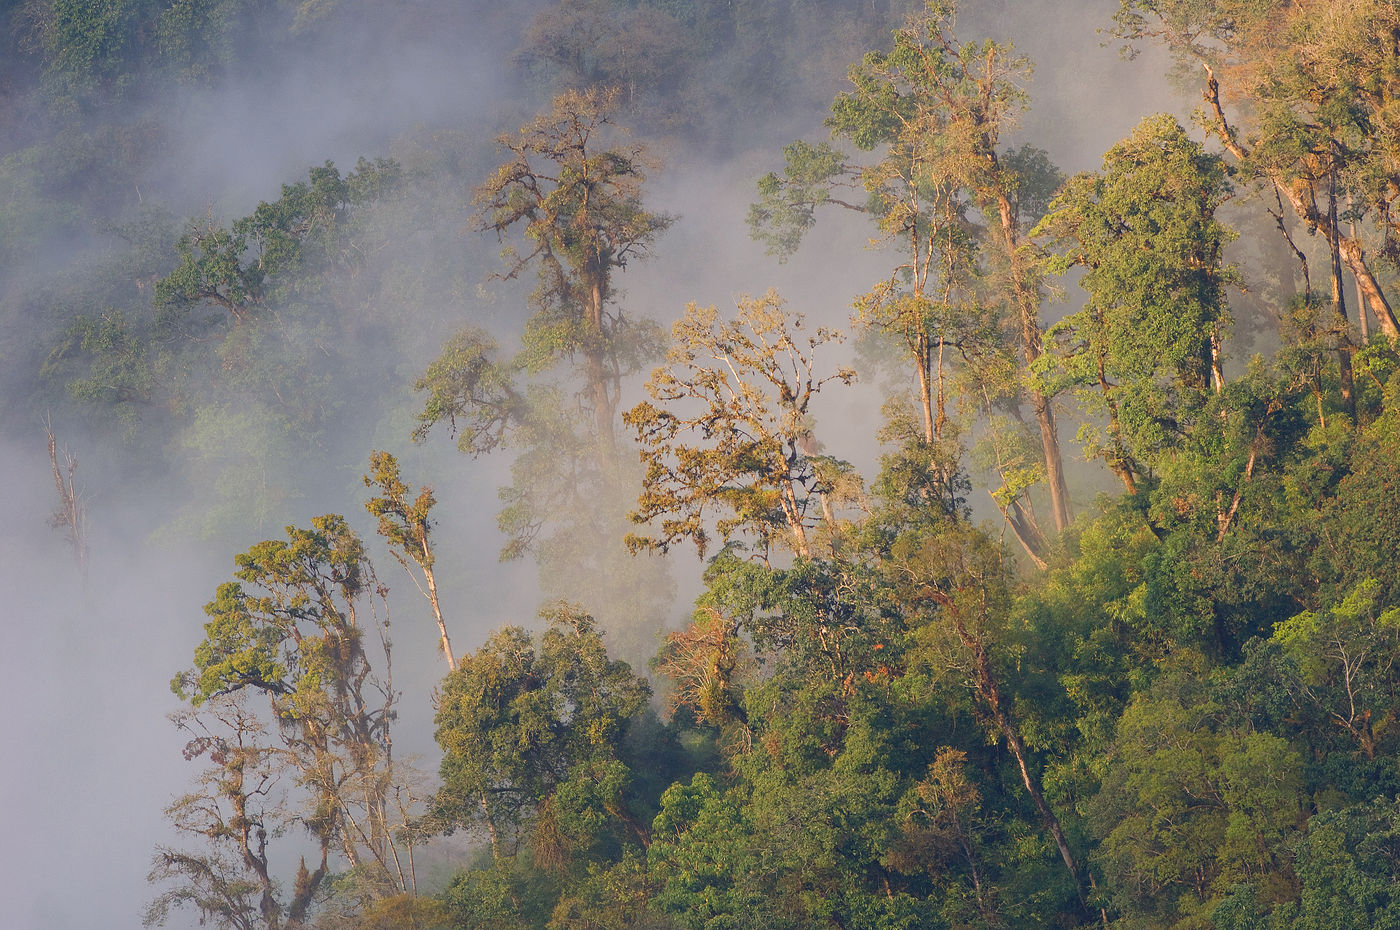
[89, 760]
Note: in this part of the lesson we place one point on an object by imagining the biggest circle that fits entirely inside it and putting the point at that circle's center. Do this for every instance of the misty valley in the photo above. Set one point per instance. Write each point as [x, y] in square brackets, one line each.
[700, 464]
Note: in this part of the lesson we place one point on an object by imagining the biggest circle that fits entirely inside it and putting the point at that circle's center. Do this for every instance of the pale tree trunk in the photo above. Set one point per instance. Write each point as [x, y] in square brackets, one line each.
[490, 828]
[596, 367]
[1028, 306]
[1217, 371]
[437, 612]
[1350, 249]
[926, 392]
[1355, 259]
[1339, 303]
[1025, 529]
[794, 517]
[1361, 316]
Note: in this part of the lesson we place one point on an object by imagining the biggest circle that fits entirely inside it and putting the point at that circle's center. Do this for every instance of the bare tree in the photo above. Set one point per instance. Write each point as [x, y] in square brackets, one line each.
[70, 515]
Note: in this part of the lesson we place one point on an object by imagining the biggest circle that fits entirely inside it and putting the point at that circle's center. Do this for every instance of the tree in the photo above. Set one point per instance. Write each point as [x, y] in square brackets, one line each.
[291, 632]
[737, 429]
[577, 206]
[293, 244]
[530, 735]
[1145, 350]
[568, 204]
[937, 107]
[960, 574]
[407, 528]
[1346, 658]
[1191, 808]
[472, 388]
[1313, 124]
[70, 515]
[1347, 870]
[235, 352]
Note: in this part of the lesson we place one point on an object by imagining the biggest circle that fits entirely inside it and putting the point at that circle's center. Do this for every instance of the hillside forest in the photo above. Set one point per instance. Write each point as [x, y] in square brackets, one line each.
[906, 516]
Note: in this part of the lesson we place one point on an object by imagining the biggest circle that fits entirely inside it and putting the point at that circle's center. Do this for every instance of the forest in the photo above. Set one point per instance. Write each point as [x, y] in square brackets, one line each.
[816, 484]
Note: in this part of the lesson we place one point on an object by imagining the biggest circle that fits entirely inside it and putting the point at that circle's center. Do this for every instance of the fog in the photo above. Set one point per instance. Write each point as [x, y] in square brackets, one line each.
[90, 760]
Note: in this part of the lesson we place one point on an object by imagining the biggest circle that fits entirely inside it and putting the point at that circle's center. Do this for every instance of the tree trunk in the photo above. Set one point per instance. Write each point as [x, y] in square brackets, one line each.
[1024, 528]
[1355, 259]
[437, 612]
[491, 828]
[988, 689]
[1339, 303]
[926, 391]
[1028, 306]
[1054, 460]
[595, 356]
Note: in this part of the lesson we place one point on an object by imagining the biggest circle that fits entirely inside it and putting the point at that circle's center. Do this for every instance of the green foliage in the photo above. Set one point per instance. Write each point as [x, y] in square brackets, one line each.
[1347, 868]
[578, 208]
[1361, 521]
[469, 382]
[1191, 808]
[505, 895]
[1143, 353]
[295, 623]
[94, 54]
[526, 734]
[788, 202]
[295, 629]
[1345, 659]
[286, 248]
[405, 525]
[1187, 719]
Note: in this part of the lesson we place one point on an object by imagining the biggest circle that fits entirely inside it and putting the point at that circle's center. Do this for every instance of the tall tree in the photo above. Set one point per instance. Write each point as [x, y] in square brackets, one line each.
[576, 204]
[290, 632]
[531, 732]
[568, 204]
[961, 575]
[1146, 349]
[936, 107]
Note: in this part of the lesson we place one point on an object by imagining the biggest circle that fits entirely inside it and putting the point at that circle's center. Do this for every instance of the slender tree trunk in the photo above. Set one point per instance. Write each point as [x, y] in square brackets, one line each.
[1339, 303]
[1054, 460]
[988, 688]
[595, 355]
[1024, 528]
[1355, 259]
[491, 828]
[1350, 248]
[437, 612]
[1028, 306]
[1361, 317]
[926, 390]
[1217, 371]
[794, 517]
